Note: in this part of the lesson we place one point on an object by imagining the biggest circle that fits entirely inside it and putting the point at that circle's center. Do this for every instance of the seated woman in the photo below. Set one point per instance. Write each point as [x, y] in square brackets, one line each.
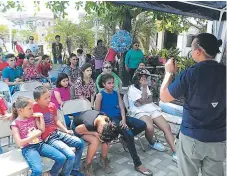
[110, 102]
[95, 128]
[141, 105]
[84, 87]
[107, 68]
[30, 68]
[72, 70]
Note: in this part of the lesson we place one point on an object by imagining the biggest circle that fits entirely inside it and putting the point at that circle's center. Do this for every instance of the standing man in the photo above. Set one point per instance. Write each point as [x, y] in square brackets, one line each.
[33, 46]
[56, 50]
[202, 140]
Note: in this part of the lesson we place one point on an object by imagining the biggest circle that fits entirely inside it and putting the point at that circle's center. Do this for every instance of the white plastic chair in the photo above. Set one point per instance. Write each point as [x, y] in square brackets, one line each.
[28, 93]
[4, 90]
[31, 85]
[5, 130]
[74, 106]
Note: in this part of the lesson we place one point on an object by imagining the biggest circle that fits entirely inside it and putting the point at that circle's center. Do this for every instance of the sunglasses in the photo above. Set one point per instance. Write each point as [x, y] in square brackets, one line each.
[137, 45]
[107, 67]
[31, 39]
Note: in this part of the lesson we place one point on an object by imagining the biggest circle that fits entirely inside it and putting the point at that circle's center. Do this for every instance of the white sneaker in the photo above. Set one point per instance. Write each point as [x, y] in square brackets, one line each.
[158, 146]
[174, 157]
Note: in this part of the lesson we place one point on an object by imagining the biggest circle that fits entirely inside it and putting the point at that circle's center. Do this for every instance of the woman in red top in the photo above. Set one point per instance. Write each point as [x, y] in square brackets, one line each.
[18, 48]
[30, 68]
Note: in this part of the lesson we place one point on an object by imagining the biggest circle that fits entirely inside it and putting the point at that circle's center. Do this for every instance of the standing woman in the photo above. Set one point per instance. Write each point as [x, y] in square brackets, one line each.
[100, 52]
[132, 59]
[202, 140]
[84, 87]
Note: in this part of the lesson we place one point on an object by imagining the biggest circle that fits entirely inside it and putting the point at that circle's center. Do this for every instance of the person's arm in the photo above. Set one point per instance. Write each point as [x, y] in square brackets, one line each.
[122, 109]
[39, 60]
[92, 101]
[98, 102]
[61, 126]
[145, 99]
[168, 91]
[5, 76]
[25, 63]
[53, 49]
[97, 83]
[21, 142]
[39, 119]
[58, 97]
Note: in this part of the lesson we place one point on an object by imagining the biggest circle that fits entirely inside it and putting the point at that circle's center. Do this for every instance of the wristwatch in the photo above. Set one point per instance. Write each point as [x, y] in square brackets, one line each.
[170, 73]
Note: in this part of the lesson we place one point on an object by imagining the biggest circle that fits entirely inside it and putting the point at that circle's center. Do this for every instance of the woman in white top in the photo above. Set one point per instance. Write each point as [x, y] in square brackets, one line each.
[142, 107]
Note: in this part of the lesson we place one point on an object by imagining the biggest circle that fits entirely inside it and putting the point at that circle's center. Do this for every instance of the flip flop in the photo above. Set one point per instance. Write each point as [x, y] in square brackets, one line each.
[148, 172]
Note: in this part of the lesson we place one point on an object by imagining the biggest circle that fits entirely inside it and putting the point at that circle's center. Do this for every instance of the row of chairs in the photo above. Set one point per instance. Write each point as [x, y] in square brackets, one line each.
[15, 158]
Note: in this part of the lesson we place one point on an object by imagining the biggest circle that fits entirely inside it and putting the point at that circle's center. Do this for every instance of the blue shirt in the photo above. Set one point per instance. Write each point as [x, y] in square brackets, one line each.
[12, 73]
[110, 104]
[204, 89]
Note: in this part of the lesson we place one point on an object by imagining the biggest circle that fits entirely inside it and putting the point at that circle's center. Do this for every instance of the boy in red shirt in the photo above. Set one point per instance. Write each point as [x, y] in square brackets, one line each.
[61, 140]
[44, 66]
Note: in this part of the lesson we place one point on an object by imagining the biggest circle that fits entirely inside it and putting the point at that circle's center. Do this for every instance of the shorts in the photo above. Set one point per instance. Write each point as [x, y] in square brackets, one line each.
[153, 114]
[73, 127]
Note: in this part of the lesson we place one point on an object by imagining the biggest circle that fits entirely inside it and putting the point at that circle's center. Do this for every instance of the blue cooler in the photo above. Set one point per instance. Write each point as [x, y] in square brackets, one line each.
[171, 108]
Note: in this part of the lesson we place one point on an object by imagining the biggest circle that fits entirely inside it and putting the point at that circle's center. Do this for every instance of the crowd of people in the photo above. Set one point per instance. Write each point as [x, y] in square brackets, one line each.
[37, 130]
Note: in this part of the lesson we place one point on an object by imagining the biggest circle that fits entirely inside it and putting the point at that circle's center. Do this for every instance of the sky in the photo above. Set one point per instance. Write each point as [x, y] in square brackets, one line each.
[73, 14]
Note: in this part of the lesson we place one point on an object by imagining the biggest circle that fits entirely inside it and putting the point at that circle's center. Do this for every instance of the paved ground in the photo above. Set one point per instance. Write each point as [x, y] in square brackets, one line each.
[159, 162]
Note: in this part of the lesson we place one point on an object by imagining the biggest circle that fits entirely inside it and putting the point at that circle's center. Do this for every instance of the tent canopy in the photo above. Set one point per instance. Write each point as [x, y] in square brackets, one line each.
[210, 10]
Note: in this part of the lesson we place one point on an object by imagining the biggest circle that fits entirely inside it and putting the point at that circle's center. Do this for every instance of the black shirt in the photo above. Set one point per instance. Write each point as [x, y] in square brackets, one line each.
[204, 89]
[56, 49]
[87, 118]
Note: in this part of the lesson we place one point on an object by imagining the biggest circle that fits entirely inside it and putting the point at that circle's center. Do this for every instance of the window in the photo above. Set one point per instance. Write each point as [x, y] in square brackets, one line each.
[190, 38]
[49, 24]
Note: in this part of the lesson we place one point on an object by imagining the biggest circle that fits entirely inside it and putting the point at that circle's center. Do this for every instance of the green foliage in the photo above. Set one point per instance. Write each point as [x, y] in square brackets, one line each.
[72, 35]
[144, 30]
[58, 8]
[183, 63]
[4, 32]
[22, 35]
[164, 53]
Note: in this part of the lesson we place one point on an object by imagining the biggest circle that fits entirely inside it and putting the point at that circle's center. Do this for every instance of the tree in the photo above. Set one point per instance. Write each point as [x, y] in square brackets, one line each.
[144, 30]
[72, 35]
[4, 34]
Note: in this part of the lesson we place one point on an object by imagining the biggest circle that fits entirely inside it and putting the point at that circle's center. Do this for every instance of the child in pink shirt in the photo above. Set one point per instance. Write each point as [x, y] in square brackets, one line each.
[61, 94]
[62, 91]
[27, 129]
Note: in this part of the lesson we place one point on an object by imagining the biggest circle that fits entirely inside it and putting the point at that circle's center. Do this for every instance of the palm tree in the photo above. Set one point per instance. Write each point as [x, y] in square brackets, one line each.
[144, 30]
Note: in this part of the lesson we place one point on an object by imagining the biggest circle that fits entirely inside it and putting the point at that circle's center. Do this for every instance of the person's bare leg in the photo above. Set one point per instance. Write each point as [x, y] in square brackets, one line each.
[149, 132]
[163, 125]
[105, 149]
[92, 148]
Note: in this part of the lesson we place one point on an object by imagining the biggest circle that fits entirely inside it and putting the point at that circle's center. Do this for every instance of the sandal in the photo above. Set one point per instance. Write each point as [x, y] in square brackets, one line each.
[147, 172]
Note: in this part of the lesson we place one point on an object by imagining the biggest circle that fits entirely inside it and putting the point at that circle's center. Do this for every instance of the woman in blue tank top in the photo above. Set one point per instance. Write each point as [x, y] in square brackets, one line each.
[110, 102]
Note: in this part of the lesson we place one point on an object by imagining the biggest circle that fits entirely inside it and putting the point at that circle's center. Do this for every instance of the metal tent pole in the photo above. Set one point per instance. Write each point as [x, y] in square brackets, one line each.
[200, 5]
